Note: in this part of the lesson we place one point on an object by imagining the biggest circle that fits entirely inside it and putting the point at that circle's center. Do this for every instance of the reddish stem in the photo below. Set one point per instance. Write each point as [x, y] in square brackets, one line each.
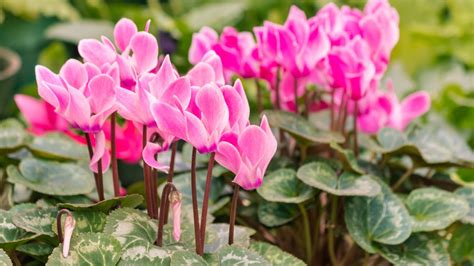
[332, 109]
[146, 178]
[356, 144]
[233, 213]
[115, 174]
[197, 229]
[205, 202]
[97, 178]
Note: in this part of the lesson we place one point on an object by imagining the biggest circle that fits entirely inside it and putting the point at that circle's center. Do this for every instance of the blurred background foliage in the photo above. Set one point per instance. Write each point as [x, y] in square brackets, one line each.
[435, 51]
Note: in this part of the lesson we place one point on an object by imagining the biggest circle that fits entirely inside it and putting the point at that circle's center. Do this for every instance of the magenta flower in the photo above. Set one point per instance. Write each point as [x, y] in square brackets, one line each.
[248, 154]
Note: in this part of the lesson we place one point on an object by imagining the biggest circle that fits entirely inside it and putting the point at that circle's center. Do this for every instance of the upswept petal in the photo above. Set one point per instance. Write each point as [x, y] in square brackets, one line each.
[201, 74]
[196, 134]
[163, 78]
[145, 51]
[252, 144]
[74, 74]
[169, 119]
[123, 32]
[228, 156]
[149, 152]
[100, 153]
[179, 89]
[78, 111]
[96, 52]
[214, 112]
[102, 93]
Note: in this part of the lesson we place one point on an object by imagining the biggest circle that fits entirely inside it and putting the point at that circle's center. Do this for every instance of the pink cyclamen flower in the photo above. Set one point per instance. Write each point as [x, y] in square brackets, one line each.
[175, 199]
[69, 225]
[248, 154]
[83, 98]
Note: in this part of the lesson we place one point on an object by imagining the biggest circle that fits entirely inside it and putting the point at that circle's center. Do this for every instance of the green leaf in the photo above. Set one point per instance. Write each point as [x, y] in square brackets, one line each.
[88, 249]
[130, 201]
[275, 214]
[37, 221]
[233, 255]
[131, 227]
[323, 177]
[301, 129]
[349, 161]
[86, 222]
[51, 178]
[11, 235]
[58, 146]
[419, 249]
[275, 255]
[4, 259]
[145, 255]
[12, 135]
[381, 219]
[188, 258]
[36, 249]
[215, 15]
[434, 209]
[468, 194]
[219, 236]
[283, 186]
[461, 246]
[75, 31]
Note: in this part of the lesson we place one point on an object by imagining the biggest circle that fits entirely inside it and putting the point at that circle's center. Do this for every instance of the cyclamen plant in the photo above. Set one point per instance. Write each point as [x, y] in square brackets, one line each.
[348, 164]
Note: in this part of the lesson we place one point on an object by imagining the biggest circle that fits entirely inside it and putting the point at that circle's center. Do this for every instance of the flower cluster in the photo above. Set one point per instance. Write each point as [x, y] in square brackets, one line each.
[343, 51]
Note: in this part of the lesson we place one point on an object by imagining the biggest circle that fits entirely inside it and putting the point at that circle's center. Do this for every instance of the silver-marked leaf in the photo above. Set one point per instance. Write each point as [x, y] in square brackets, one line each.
[88, 249]
[188, 258]
[323, 177]
[283, 186]
[51, 178]
[419, 249]
[461, 246]
[301, 129]
[233, 255]
[145, 255]
[36, 221]
[4, 259]
[275, 255]
[22, 207]
[130, 201]
[11, 235]
[12, 135]
[36, 249]
[131, 227]
[383, 219]
[86, 222]
[349, 161]
[220, 235]
[276, 213]
[434, 209]
[58, 146]
[468, 194]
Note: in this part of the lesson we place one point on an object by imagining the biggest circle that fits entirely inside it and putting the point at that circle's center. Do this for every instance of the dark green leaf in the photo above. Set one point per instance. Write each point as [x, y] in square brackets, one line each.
[275, 213]
[283, 186]
[37, 221]
[37, 249]
[461, 246]
[130, 201]
[349, 161]
[468, 194]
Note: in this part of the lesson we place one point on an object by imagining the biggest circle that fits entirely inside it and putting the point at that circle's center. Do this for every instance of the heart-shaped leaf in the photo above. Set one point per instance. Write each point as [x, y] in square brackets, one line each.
[433, 209]
[131, 227]
[383, 219]
[468, 194]
[419, 249]
[301, 129]
[12, 135]
[58, 146]
[145, 255]
[220, 237]
[283, 186]
[37, 221]
[349, 161]
[322, 176]
[233, 255]
[11, 235]
[51, 178]
[275, 255]
[275, 213]
[461, 246]
[37, 249]
[130, 201]
[4, 259]
[190, 258]
[88, 249]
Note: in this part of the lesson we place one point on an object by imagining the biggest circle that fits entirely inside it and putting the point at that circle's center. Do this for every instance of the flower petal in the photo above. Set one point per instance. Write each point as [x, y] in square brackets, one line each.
[100, 153]
[149, 152]
[74, 73]
[123, 32]
[102, 93]
[228, 156]
[169, 119]
[145, 51]
[214, 112]
[95, 52]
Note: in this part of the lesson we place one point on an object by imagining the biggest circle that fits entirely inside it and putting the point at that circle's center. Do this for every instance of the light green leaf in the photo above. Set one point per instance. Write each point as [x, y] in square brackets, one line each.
[58, 146]
[75, 31]
[322, 176]
[434, 209]
[188, 258]
[468, 194]
[301, 129]
[51, 178]
[131, 227]
[145, 255]
[11, 235]
[12, 135]
[37, 221]
[88, 249]
[275, 213]
[37, 249]
[349, 161]
[283, 186]
[130, 201]
[233, 255]
[219, 236]
[419, 249]
[461, 246]
[275, 255]
[381, 219]
[4, 259]
[215, 15]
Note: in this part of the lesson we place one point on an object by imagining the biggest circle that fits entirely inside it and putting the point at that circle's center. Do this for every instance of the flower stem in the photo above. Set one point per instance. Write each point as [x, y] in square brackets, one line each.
[356, 145]
[332, 227]
[404, 177]
[205, 202]
[259, 97]
[277, 90]
[295, 89]
[146, 177]
[307, 231]
[233, 212]
[332, 109]
[115, 174]
[164, 202]
[100, 191]
[197, 229]
[59, 225]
